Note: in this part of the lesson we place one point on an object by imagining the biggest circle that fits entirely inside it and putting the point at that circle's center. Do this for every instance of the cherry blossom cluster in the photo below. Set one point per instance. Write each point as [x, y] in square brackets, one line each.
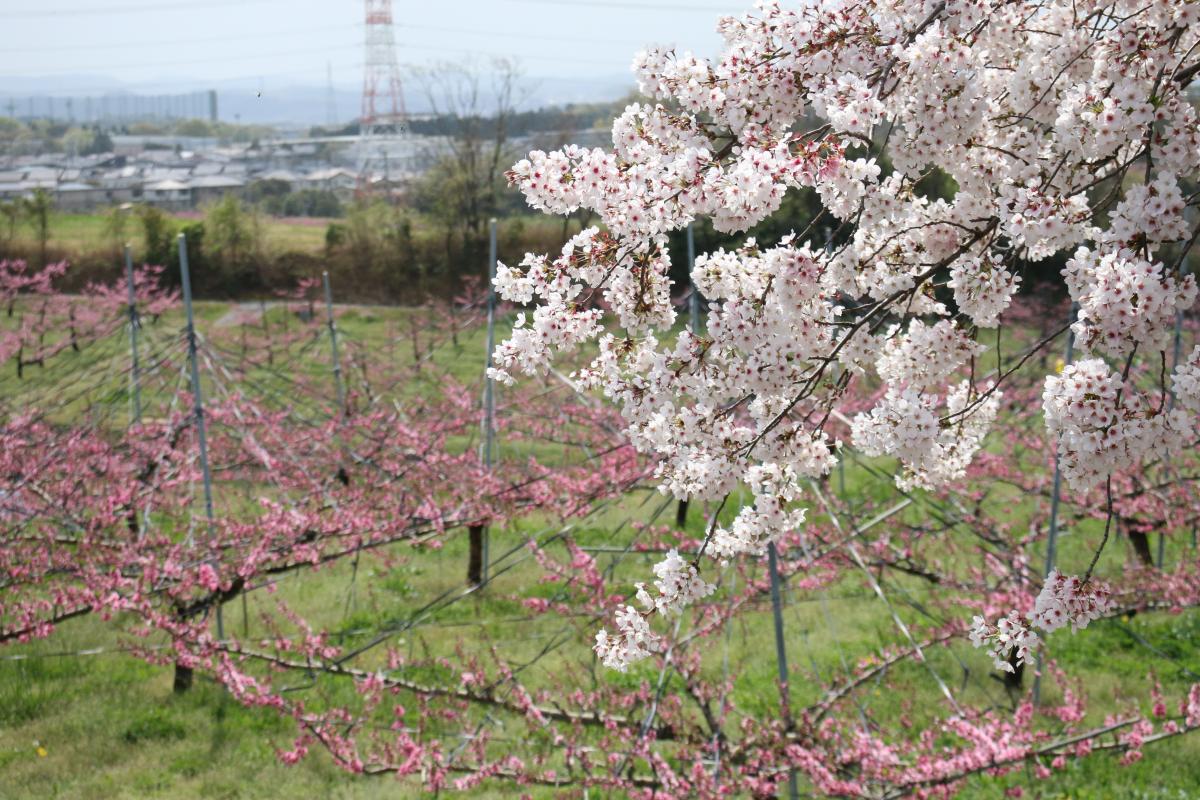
[633, 642]
[1008, 642]
[934, 454]
[1069, 600]
[1124, 301]
[983, 290]
[1150, 214]
[1103, 425]
[925, 356]
[755, 527]
[1064, 600]
[679, 585]
[1042, 225]
[1186, 382]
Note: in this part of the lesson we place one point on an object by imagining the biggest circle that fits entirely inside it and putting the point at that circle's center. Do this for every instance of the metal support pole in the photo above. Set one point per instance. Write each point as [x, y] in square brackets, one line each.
[197, 404]
[681, 512]
[135, 387]
[489, 395]
[333, 339]
[1055, 500]
[785, 704]
[489, 388]
[1176, 353]
[477, 564]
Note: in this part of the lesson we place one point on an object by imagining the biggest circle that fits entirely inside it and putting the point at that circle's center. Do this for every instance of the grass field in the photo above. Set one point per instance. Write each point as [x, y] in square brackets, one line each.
[106, 725]
[82, 234]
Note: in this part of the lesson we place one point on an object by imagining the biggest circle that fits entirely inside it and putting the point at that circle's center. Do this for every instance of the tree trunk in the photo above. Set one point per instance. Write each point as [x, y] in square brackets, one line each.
[74, 336]
[681, 513]
[262, 307]
[414, 329]
[1014, 679]
[1141, 546]
[475, 559]
[183, 678]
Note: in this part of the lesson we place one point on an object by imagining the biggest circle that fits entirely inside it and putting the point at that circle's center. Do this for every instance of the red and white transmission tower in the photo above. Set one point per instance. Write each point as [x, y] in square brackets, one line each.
[383, 118]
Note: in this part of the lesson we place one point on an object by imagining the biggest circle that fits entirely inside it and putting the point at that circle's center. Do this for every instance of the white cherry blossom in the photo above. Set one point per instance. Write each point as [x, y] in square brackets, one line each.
[1061, 129]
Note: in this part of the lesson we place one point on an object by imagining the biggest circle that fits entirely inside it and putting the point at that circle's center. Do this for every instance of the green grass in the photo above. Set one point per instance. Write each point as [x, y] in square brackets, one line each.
[77, 235]
[108, 725]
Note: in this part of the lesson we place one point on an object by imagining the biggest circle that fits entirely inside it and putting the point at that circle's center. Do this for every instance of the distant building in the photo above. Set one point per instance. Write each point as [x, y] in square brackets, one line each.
[121, 185]
[169, 145]
[211, 188]
[179, 173]
[292, 179]
[78, 196]
[25, 188]
[172, 195]
[341, 182]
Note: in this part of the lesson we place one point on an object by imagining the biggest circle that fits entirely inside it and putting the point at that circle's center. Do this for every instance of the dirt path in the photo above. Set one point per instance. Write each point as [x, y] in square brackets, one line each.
[245, 313]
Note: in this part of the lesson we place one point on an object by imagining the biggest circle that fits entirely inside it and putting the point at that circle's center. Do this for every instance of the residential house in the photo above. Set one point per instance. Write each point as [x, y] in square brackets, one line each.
[122, 185]
[292, 179]
[74, 196]
[211, 188]
[170, 194]
[341, 182]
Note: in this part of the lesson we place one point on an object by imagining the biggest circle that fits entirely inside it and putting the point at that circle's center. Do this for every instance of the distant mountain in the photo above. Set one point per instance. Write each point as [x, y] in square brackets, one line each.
[295, 104]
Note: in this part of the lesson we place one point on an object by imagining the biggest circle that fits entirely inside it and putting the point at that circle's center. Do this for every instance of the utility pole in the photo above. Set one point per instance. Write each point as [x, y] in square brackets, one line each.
[383, 115]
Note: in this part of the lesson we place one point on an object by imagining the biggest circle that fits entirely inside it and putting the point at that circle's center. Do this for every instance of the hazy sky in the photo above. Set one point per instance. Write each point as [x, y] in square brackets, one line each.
[265, 43]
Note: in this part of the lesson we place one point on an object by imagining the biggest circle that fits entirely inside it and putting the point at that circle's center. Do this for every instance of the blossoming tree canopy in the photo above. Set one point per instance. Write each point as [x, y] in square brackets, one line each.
[1067, 131]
